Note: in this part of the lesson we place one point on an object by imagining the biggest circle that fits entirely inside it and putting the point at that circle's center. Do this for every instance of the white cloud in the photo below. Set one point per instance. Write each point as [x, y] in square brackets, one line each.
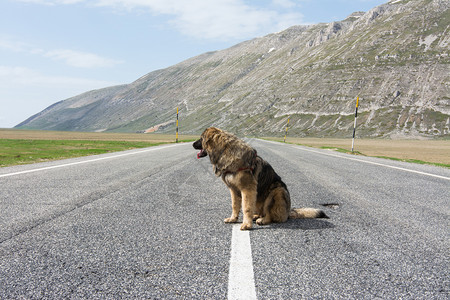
[284, 3]
[70, 57]
[51, 2]
[11, 45]
[23, 77]
[18, 46]
[81, 59]
[218, 19]
[227, 20]
[208, 19]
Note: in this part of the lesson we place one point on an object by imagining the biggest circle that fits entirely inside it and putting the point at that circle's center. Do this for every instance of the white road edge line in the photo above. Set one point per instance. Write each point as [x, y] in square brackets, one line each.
[365, 161]
[88, 161]
[241, 280]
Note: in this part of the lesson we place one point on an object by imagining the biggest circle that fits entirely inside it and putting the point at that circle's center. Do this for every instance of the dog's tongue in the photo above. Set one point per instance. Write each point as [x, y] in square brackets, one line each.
[201, 154]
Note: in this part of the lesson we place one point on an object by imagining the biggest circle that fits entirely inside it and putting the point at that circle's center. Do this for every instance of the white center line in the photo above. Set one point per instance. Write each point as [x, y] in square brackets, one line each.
[241, 281]
[88, 161]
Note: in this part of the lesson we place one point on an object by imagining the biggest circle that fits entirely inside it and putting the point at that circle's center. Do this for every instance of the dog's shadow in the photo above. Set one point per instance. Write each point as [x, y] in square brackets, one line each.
[302, 224]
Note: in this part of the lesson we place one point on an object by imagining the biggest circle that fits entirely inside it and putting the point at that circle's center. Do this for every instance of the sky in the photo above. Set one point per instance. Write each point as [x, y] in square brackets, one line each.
[51, 50]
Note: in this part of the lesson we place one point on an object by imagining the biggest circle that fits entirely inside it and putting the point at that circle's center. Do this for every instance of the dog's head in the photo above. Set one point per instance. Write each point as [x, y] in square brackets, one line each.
[226, 152]
[204, 143]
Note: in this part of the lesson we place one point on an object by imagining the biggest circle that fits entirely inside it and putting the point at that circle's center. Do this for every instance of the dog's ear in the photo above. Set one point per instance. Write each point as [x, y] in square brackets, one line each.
[209, 137]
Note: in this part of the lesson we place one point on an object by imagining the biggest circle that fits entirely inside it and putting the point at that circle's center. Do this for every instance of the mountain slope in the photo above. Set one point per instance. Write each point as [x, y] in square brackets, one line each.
[394, 57]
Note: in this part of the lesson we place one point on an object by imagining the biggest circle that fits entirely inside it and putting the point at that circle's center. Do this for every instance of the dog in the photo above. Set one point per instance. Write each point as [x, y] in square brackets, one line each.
[254, 185]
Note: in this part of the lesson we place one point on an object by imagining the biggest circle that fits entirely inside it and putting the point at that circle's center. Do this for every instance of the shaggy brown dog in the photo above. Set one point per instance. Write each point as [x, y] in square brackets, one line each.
[253, 183]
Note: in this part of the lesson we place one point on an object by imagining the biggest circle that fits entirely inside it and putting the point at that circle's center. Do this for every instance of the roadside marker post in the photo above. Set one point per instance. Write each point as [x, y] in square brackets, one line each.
[287, 127]
[177, 127]
[354, 124]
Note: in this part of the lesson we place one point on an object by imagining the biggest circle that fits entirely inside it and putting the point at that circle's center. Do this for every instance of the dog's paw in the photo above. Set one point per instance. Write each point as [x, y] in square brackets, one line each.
[246, 226]
[260, 221]
[231, 220]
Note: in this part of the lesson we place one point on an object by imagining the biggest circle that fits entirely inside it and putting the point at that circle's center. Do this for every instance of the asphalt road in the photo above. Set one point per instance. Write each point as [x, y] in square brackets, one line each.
[149, 224]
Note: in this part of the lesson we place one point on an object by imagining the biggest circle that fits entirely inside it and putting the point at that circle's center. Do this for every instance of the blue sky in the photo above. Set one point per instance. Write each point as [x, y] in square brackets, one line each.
[51, 50]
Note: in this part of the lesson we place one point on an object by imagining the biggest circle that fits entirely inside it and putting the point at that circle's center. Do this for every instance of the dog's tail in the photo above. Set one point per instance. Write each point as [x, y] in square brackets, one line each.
[307, 213]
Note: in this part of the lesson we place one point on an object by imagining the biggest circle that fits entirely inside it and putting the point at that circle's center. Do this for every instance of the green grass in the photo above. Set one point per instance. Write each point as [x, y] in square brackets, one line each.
[416, 161]
[23, 151]
[342, 150]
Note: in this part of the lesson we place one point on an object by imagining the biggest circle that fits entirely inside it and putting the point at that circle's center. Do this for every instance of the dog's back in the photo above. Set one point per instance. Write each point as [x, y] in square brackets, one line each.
[273, 202]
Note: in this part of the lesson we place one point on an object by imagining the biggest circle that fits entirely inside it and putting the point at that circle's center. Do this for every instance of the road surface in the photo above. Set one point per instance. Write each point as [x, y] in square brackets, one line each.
[148, 223]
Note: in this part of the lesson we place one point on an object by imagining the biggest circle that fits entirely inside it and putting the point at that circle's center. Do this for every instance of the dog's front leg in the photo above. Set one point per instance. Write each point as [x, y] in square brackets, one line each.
[235, 206]
[248, 208]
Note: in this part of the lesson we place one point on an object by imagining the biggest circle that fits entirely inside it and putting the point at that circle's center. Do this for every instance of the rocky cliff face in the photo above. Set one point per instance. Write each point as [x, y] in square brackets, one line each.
[394, 57]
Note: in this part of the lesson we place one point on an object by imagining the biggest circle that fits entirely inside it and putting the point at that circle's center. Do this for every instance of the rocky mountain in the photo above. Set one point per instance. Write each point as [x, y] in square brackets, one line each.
[395, 57]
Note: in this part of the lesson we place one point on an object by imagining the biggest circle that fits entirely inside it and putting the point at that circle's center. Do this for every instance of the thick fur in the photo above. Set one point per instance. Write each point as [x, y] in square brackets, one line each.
[254, 185]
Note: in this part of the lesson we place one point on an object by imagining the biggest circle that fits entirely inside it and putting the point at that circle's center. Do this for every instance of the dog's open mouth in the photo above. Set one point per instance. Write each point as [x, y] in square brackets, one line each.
[202, 153]
[198, 145]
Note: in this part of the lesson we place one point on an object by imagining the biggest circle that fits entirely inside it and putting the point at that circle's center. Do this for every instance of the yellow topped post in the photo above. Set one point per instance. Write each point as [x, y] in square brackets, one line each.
[177, 127]
[287, 127]
[354, 124]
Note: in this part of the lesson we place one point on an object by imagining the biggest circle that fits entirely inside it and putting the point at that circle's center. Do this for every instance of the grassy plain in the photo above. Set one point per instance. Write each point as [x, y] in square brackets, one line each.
[91, 136]
[435, 152]
[28, 146]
